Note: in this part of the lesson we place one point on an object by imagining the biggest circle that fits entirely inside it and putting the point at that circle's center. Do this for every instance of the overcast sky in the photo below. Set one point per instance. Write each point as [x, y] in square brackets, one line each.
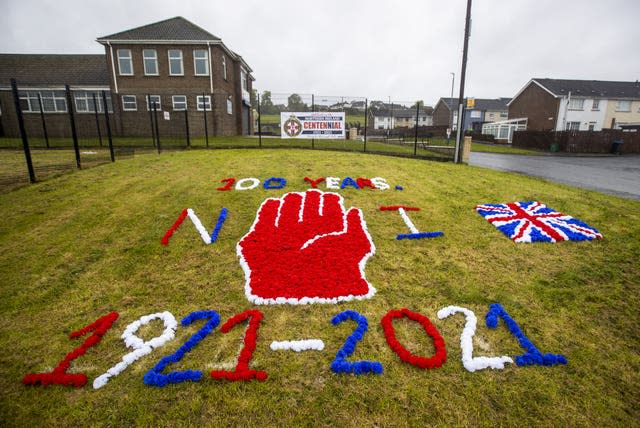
[378, 49]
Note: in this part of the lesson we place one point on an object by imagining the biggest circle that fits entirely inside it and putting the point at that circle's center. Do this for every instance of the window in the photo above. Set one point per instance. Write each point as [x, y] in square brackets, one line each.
[85, 102]
[125, 65]
[52, 101]
[229, 106]
[623, 105]
[596, 105]
[576, 104]
[129, 103]
[179, 102]
[476, 114]
[243, 80]
[592, 126]
[203, 102]
[155, 100]
[150, 57]
[175, 63]
[573, 126]
[201, 62]
[504, 114]
[224, 67]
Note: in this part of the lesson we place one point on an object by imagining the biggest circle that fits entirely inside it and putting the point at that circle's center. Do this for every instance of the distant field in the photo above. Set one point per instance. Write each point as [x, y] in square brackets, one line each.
[78, 246]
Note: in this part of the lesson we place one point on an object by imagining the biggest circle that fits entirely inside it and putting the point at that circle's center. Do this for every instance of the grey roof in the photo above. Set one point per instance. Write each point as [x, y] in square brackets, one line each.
[591, 88]
[403, 113]
[54, 70]
[485, 104]
[173, 29]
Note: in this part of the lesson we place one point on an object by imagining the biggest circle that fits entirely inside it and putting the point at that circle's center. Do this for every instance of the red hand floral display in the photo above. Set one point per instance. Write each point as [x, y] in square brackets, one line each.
[306, 248]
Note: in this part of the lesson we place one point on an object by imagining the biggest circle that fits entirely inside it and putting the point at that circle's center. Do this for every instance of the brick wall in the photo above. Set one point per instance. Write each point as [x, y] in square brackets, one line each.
[538, 106]
[577, 141]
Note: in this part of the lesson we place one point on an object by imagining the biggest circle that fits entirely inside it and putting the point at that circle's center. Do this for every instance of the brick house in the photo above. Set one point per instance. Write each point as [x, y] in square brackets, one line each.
[484, 111]
[173, 63]
[580, 105]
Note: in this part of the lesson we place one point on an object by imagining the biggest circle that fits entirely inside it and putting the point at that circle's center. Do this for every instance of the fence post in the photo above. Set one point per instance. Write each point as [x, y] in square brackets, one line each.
[23, 132]
[186, 124]
[153, 132]
[44, 124]
[206, 130]
[313, 109]
[95, 110]
[72, 122]
[155, 118]
[366, 116]
[259, 123]
[415, 142]
[108, 125]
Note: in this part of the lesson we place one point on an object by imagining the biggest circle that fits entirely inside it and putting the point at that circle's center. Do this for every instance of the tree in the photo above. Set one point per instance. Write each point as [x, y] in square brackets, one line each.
[254, 99]
[419, 103]
[295, 103]
[266, 105]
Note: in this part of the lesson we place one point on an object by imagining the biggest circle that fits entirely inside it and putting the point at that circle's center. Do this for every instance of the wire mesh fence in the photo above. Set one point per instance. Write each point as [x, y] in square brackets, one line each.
[44, 132]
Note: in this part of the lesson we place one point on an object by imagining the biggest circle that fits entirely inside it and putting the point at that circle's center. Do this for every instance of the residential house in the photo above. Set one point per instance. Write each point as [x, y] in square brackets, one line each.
[400, 117]
[581, 105]
[172, 64]
[483, 111]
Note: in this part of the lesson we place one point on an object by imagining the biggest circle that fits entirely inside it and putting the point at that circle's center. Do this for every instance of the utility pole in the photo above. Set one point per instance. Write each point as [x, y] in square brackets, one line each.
[460, 131]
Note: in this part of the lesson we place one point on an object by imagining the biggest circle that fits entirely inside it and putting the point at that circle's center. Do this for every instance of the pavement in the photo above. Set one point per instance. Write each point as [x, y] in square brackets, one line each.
[614, 175]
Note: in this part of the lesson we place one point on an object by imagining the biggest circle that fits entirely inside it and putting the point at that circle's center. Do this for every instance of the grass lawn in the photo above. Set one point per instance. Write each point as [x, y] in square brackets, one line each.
[75, 247]
[502, 148]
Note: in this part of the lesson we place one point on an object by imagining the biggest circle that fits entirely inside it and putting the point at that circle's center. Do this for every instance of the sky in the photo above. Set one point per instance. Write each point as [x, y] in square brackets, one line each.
[379, 49]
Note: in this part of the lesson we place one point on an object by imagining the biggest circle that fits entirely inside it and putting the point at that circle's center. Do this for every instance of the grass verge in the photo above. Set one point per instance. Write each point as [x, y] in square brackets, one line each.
[80, 245]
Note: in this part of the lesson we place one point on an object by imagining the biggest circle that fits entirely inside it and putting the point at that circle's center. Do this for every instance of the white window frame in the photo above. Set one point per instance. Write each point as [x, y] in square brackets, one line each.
[224, 67]
[129, 99]
[243, 80]
[55, 98]
[621, 103]
[128, 58]
[596, 105]
[84, 101]
[176, 104]
[158, 103]
[576, 104]
[203, 102]
[153, 58]
[572, 126]
[197, 59]
[229, 106]
[170, 58]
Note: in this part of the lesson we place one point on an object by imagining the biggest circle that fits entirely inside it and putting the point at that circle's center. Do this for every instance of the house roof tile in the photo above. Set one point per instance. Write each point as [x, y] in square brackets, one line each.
[54, 70]
[173, 29]
[591, 88]
[498, 104]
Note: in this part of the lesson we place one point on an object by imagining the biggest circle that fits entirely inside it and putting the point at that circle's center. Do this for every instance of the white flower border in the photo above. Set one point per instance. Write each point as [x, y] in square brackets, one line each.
[470, 362]
[257, 300]
[141, 347]
[298, 345]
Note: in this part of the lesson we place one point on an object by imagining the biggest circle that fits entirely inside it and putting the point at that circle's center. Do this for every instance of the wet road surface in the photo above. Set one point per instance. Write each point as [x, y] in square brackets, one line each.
[615, 175]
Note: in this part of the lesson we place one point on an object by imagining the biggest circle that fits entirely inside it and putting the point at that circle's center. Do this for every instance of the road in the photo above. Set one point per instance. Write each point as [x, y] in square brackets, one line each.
[615, 175]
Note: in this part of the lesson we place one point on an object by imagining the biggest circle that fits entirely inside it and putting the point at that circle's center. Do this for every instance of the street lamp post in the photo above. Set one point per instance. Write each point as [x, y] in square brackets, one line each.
[459, 131]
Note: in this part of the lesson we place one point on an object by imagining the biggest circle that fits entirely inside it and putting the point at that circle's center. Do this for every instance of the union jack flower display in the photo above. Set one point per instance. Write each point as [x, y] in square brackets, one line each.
[535, 222]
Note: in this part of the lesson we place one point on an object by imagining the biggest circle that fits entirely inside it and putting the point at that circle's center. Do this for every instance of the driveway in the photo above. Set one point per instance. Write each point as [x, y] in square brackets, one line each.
[615, 175]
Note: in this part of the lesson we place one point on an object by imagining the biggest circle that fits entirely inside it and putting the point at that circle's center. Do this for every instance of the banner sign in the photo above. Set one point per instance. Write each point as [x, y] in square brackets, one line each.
[312, 125]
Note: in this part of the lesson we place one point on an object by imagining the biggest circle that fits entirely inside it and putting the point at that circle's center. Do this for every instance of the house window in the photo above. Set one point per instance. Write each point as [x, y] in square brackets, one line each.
[596, 105]
[150, 62]
[229, 106]
[623, 105]
[153, 100]
[243, 80]
[125, 65]
[224, 67]
[576, 104]
[504, 114]
[85, 102]
[201, 62]
[573, 126]
[476, 114]
[129, 103]
[175, 62]
[52, 101]
[179, 102]
[203, 102]
[592, 126]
